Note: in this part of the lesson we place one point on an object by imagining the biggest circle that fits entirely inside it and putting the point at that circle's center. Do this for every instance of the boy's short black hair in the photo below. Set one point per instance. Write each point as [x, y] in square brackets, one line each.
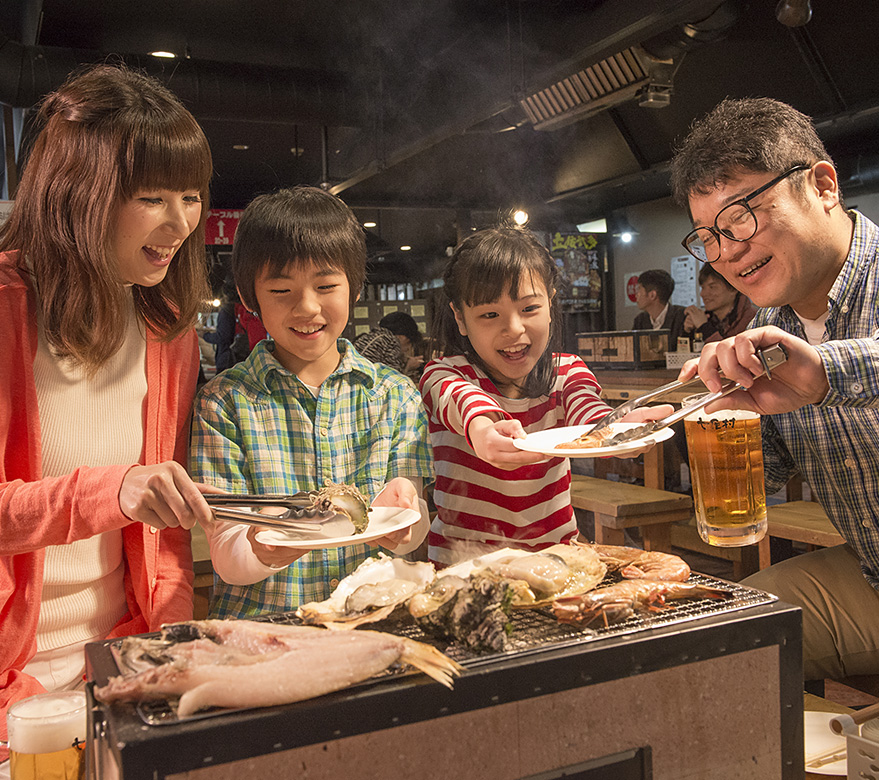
[401, 324]
[299, 225]
[659, 280]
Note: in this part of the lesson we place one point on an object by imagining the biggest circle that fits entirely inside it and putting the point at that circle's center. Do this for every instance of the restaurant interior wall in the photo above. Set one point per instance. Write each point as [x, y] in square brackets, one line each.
[660, 225]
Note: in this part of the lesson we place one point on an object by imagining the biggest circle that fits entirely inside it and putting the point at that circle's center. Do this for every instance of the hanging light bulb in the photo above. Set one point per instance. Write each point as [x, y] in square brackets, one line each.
[520, 217]
[793, 13]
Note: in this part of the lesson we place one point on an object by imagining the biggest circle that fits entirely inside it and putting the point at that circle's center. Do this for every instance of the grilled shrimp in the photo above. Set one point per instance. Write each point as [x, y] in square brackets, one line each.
[635, 564]
[619, 601]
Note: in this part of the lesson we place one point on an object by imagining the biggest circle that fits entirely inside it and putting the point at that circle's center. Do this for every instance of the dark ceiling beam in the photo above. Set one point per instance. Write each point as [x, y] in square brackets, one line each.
[211, 90]
[577, 40]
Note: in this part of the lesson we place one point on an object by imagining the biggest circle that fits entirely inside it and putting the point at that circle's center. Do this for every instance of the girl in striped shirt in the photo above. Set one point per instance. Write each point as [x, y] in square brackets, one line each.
[500, 378]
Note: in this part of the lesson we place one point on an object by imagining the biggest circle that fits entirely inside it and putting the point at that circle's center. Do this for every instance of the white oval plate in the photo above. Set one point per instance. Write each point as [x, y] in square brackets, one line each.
[547, 442]
[818, 737]
[383, 520]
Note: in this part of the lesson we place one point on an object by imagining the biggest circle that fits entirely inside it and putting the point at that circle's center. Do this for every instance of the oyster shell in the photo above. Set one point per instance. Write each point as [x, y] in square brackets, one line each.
[474, 611]
[539, 578]
[347, 500]
[371, 592]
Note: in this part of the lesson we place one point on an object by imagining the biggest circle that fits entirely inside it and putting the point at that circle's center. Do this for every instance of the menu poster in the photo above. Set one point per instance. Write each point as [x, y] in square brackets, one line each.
[685, 275]
[579, 258]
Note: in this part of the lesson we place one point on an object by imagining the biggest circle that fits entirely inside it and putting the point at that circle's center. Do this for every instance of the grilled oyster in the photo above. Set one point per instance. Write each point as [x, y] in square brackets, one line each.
[473, 611]
[371, 592]
[347, 500]
[539, 578]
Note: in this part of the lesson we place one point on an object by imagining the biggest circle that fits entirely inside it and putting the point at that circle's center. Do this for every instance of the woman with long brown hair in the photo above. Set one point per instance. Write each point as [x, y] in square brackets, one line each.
[102, 272]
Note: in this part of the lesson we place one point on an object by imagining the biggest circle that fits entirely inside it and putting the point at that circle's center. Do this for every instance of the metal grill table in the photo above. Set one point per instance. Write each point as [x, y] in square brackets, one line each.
[710, 684]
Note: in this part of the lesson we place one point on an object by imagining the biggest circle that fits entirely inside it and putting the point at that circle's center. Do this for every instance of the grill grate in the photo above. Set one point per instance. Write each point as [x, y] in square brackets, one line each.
[533, 630]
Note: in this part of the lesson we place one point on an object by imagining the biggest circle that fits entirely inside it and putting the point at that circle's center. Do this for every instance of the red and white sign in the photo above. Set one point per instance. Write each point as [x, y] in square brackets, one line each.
[221, 226]
[631, 281]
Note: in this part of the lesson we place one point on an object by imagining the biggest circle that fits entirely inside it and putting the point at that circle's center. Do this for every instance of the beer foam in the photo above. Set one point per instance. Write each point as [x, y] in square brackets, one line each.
[723, 414]
[47, 723]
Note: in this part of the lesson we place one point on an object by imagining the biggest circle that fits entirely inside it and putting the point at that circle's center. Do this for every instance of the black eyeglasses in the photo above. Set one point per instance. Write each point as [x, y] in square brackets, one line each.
[737, 222]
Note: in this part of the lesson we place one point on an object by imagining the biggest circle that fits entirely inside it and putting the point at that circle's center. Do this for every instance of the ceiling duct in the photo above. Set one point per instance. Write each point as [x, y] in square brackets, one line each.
[614, 80]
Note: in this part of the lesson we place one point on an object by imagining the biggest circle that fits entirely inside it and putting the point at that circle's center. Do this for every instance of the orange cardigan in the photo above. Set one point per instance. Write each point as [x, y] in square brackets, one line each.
[36, 512]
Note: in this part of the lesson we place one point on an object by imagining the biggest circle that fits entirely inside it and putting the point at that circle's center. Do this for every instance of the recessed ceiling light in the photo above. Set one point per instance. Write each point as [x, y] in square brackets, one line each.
[241, 147]
[297, 151]
[369, 224]
[405, 248]
[168, 55]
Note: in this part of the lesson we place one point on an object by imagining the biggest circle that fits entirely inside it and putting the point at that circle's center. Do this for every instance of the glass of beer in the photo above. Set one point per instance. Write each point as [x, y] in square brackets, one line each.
[726, 471]
[47, 736]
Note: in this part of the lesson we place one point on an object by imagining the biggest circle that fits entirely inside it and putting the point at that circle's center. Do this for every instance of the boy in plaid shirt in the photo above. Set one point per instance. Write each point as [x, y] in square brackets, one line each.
[304, 407]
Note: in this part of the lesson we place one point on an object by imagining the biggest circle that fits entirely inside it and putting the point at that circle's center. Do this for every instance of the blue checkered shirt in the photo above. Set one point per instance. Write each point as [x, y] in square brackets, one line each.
[835, 443]
[257, 429]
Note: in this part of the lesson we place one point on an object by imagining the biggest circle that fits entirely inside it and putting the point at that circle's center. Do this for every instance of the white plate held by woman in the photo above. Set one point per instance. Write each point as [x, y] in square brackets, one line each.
[547, 442]
[383, 520]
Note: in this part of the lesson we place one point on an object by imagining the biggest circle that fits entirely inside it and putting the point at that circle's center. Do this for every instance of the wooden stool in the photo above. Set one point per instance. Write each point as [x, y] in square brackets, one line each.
[745, 560]
[802, 521]
[617, 506]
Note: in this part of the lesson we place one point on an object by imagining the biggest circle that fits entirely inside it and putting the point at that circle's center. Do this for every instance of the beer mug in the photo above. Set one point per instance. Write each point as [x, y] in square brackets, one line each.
[726, 472]
[47, 736]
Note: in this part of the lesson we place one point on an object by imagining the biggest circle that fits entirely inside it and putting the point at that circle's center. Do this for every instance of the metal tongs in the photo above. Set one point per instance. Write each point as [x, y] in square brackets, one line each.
[299, 513]
[771, 357]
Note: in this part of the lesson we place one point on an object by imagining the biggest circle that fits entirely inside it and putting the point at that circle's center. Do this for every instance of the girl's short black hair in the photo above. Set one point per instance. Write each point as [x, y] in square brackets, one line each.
[483, 267]
[297, 226]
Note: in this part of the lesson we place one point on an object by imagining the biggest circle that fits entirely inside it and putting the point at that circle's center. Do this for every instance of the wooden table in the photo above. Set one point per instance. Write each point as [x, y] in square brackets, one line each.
[619, 385]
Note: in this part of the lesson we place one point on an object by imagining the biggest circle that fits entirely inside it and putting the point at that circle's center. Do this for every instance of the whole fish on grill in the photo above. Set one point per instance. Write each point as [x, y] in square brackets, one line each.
[243, 663]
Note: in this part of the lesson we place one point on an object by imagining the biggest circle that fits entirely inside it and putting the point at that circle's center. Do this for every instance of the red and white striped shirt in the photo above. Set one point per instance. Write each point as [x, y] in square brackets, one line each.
[480, 506]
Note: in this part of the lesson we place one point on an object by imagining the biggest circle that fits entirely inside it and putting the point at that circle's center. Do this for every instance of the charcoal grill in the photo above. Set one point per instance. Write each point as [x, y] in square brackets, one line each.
[544, 660]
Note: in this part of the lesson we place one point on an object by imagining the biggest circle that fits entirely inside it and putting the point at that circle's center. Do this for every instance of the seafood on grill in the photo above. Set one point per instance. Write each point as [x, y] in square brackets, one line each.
[473, 611]
[540, 577]
[243, 664]
[615, 603]
[633, 563]
[346, 500]
[371, 592]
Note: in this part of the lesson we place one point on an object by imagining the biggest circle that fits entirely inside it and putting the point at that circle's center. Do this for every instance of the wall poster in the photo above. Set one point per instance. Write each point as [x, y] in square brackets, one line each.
[580, 259]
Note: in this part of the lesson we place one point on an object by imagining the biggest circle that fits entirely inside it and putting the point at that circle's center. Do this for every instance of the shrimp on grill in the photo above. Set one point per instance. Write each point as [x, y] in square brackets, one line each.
[635, 564]
[621, 600]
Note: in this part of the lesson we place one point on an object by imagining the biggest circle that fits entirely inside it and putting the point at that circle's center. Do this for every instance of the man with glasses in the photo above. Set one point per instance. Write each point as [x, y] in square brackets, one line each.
[764, 199]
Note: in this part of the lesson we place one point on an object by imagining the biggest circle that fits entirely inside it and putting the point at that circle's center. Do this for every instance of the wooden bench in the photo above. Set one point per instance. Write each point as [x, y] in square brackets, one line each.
[616, 506]
[796, 521]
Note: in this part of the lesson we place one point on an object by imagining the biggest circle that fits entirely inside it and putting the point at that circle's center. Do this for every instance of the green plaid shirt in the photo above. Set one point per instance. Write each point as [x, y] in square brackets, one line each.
[257, 429]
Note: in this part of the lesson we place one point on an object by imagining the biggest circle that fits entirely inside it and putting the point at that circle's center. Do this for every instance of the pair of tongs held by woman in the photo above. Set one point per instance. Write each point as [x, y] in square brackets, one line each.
[771, 357]
[297, 513]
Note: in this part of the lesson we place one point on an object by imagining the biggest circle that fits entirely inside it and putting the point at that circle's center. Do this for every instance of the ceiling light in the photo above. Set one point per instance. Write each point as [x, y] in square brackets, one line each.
[216, 303]
[241, 147]
[405, 248]
[793, 13]
[167, 55]
[297, 151]
[520, 217]
[595, 226]
[369, 224]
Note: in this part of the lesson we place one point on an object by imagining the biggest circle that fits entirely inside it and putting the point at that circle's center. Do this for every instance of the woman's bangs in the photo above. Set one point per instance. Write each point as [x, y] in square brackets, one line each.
[175, 158]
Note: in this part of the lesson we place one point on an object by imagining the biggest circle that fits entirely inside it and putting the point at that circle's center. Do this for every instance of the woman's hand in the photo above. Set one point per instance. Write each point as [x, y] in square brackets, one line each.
[493, 442]
[164, 496]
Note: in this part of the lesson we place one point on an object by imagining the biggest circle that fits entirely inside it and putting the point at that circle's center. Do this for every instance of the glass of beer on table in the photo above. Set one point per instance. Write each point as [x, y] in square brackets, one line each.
[47, 736]
[726, 472]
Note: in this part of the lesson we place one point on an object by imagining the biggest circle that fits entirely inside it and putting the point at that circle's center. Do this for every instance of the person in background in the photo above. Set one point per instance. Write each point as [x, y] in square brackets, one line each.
[727, 312]
[304, 408]
[238, 330]
[102, 275]
[499, 379]
[381, 346]
[652, 295]
[411, 339]
[764, 197]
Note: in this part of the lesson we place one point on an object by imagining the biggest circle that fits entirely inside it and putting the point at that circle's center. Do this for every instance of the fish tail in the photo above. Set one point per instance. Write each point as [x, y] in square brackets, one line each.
[430, 661]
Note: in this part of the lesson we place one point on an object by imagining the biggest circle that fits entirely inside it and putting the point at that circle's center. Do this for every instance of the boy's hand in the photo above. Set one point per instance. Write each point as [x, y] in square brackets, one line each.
[270, 554]
[164, 496]
[493, 442]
